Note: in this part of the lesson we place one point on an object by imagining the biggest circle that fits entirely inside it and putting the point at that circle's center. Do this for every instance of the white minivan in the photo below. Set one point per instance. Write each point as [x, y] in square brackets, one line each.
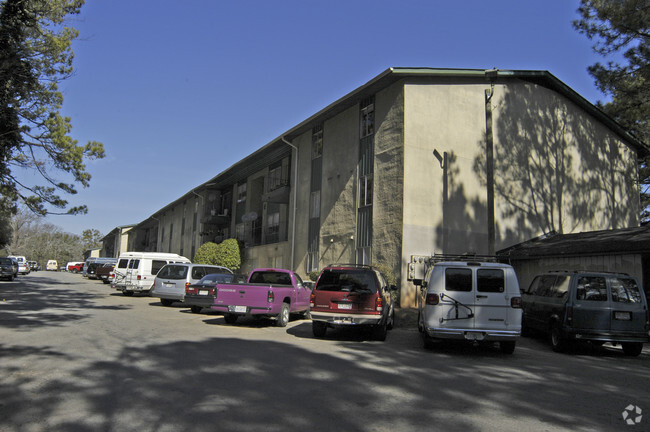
[136, 271]
[473, 301]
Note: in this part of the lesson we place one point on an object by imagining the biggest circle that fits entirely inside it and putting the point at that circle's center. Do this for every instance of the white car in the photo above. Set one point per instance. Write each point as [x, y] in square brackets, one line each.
[473, 301]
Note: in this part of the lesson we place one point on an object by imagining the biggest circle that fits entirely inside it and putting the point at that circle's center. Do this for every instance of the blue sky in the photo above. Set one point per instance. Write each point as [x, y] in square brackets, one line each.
[178, 91]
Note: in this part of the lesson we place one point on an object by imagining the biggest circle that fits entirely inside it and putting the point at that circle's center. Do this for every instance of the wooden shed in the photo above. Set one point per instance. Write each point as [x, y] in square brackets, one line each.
[622, 250]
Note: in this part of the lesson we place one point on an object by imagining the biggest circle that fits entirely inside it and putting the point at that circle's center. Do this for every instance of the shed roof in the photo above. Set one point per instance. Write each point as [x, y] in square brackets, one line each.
[615, 242]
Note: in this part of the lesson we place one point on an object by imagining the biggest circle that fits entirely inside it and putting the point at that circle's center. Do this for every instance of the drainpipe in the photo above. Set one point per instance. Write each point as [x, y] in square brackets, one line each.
[295, 191]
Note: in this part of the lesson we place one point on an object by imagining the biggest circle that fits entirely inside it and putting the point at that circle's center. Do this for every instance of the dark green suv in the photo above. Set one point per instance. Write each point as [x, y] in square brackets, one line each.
[590, 306]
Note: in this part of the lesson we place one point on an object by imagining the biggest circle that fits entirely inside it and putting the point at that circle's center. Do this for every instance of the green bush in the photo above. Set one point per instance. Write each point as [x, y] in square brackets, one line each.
[226, 254]
[313, 275]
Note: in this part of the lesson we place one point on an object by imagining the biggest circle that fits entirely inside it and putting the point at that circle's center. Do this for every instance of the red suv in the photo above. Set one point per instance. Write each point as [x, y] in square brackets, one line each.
[352, 295]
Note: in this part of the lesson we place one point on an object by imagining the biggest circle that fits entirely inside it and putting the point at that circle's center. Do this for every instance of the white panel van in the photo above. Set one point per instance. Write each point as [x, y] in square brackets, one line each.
[136, 271]
[473, 301]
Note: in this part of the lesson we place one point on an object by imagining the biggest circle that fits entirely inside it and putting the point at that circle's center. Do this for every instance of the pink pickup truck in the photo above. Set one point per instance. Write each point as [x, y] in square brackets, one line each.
[269, 292]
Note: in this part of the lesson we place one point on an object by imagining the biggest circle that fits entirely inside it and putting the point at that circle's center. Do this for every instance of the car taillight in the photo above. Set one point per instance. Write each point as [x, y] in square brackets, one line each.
[270, 297]
[432, 299]
[139, 277]
[186, 285]
[311, 300]
[379, 304]
[515, 302]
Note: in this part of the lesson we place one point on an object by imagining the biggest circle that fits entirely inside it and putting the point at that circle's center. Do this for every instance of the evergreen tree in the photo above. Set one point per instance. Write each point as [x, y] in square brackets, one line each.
[35, 55]
[622, 27]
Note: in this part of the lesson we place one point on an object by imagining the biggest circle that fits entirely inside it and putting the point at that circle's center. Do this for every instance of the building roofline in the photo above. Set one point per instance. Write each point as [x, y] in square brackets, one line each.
[276, 147]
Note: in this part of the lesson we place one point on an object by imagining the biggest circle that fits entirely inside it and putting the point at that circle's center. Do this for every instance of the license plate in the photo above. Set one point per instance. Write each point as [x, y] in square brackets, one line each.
[237, 309]
[203, 292]
[345, 306]
[474, 336]
[622, 316]
[168, 285]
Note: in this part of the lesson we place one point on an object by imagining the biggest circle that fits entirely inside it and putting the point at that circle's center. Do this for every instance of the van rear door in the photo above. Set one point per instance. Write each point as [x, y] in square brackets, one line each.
[591, 310]
[492, 303]
[456, 308]
[131, 273]
[628, 308]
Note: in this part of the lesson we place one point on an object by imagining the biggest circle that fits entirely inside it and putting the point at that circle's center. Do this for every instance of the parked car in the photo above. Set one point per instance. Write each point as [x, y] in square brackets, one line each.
[51, 265]
[472, 301]
[23, 267]
[202, 293]
[136, 271]
[352, 295]
[74, 267]
[171, 281]
[34, 266]
[91, 266]
[269, 292]
[588, 306]
[104, 272]
[8, 268]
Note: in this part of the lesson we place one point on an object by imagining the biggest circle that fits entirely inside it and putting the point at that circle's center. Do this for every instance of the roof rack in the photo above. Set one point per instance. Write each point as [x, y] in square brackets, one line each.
[462, 257]
[350, 265]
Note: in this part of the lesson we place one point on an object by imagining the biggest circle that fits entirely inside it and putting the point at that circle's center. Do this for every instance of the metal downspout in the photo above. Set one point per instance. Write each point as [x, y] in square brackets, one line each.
[295, 191]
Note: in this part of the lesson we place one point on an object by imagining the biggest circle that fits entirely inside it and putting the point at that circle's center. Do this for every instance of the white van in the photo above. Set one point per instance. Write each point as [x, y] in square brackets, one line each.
[473, 301]
[136, 271]
[23, 267]
[52, 265]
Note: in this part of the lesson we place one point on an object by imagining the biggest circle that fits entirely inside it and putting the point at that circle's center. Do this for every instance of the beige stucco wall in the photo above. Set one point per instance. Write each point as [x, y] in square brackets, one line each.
[338, 188]
[556, 168]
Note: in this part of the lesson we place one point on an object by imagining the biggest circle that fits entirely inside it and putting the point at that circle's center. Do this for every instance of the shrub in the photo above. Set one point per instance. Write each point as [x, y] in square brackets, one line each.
[226, 254]
[313, 275]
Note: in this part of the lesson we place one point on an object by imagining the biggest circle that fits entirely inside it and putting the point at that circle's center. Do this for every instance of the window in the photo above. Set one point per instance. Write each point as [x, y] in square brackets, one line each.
[134, 264]
[591, 288]
[562, 286]
[367, 117]
[365, 191]
[156, 265]
[171, 272]
[544, 286]
[317, 142]
[275, 178]
[490, 280]
[314, 205]
[458, 279]
[625, 290]
[241, 193]
[273, 227]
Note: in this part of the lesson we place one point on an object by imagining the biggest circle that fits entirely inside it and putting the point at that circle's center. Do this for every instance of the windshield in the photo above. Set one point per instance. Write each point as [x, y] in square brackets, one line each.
[6, 261]
[173, 271]
[216, 278]
[347, 280]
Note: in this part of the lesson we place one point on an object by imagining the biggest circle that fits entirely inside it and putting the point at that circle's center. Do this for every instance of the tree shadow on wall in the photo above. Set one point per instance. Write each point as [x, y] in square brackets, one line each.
[463, 228]
[553, 170]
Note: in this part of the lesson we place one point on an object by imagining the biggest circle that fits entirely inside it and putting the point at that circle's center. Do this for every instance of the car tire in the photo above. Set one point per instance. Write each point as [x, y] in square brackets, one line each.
[507, 347]
[558, 342]
[196, 309]
[283, 317]
[230, 318]
[166, 302]
[319, 328]
[380, 331]
[427, 342]
[391, 321]
[632, 349]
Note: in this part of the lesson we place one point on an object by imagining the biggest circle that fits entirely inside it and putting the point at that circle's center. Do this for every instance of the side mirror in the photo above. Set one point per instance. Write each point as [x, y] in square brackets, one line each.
[417, 282]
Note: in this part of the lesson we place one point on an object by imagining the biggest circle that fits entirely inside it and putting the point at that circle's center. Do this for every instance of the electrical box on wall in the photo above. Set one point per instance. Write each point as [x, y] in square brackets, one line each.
[417, 267]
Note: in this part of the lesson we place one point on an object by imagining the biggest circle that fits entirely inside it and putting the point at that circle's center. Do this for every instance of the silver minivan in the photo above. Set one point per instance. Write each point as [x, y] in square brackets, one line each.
[590, 306]
[172, 279]
[472, 301]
